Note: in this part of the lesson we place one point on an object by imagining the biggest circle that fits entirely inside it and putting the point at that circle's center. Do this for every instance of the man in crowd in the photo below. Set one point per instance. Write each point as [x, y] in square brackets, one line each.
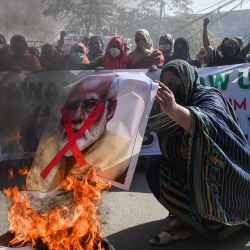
[104, 150]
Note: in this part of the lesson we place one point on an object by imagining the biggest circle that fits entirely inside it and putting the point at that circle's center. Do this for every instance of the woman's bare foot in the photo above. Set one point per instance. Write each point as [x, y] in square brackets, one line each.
[173, 224]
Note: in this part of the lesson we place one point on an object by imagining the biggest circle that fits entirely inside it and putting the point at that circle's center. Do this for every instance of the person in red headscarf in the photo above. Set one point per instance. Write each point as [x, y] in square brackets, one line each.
[77, 58]
[115, 56]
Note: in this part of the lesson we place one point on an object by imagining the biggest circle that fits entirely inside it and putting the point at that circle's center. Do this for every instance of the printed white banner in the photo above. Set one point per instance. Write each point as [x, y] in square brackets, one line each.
[234, 82]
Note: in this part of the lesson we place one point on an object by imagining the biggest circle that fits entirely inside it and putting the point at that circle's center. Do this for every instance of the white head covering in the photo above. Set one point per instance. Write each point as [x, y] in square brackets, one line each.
[148, 46]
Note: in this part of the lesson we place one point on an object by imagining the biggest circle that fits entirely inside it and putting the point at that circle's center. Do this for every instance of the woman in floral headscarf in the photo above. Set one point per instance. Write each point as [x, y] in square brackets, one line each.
[144, 56]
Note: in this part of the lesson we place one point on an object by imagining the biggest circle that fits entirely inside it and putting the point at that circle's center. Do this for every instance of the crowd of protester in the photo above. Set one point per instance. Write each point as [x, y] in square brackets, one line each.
[202, 176]
[90, 54]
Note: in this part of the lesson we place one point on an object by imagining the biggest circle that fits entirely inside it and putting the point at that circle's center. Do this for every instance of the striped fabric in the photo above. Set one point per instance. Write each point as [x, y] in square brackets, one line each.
[205, 176]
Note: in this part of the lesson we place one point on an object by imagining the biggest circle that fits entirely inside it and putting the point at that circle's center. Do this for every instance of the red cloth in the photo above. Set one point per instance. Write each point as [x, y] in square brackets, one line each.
[155, 58]
[28, 62]
[119, 62]
[76, 45]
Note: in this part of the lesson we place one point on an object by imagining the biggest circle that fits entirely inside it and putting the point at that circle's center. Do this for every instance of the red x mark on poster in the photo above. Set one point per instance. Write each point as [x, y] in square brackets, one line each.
[73, 137]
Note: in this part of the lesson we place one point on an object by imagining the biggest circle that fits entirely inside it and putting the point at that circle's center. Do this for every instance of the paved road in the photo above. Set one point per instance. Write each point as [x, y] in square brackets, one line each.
[135, 216]
[129, 219]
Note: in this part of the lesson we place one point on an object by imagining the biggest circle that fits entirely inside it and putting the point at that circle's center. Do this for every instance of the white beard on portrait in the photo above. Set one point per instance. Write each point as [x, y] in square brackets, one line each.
[90, 136]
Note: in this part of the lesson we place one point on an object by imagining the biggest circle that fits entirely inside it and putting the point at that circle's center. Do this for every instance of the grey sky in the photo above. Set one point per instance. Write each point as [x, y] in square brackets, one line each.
[199, 5]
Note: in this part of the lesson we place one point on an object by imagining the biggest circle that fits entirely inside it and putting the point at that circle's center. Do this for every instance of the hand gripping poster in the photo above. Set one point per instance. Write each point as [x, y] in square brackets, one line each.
[92, 140]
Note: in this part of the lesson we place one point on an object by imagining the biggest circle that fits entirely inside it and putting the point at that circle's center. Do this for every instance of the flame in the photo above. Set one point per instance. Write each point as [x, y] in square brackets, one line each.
[13, 138]
[75, 227]
[11, 173]
[23, 171]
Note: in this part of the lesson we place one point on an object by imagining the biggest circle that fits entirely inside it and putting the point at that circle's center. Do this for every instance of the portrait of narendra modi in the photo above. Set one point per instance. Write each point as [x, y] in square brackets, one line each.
[85, 96]
[97, 122]
[103, 149]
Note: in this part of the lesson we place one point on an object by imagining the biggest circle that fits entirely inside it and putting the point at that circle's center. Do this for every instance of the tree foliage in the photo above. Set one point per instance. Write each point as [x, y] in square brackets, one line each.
[181, 23]
[188, 26]
[84, 16]
[91, 16]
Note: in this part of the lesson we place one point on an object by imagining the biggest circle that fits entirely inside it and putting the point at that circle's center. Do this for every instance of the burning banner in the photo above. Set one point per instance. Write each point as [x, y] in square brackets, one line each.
[91, 140]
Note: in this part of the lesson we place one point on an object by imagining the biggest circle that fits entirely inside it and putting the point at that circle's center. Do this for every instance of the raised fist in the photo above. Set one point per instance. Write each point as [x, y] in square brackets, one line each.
[62, 34]
[206, 21]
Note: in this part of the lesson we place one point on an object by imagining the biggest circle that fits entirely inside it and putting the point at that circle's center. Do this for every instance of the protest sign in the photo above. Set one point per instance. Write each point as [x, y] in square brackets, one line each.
[233, 81]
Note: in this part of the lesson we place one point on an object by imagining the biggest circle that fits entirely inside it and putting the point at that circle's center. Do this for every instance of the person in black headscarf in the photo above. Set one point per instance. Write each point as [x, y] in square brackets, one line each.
[181, 51]
[228, 54]
[203, 177]
[6, 61]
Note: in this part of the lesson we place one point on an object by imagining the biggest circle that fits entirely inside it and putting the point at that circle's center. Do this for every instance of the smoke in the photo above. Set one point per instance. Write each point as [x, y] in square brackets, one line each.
[25, 17]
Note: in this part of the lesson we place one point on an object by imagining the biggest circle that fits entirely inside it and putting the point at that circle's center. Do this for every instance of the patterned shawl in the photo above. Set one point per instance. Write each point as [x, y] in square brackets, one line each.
[218, 170]
[219, 160]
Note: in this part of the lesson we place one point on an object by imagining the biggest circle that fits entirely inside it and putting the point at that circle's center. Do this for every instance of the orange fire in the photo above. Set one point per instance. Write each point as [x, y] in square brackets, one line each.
[76, 227]
[11, 173]
[13, 138]
[23, 171]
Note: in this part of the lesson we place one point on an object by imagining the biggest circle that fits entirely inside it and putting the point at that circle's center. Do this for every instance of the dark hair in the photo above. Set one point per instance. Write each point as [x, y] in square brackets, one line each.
[93, 39]
[17, 38]
[183, 41]
[239, 40]
[85, 39]
[45, 48]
